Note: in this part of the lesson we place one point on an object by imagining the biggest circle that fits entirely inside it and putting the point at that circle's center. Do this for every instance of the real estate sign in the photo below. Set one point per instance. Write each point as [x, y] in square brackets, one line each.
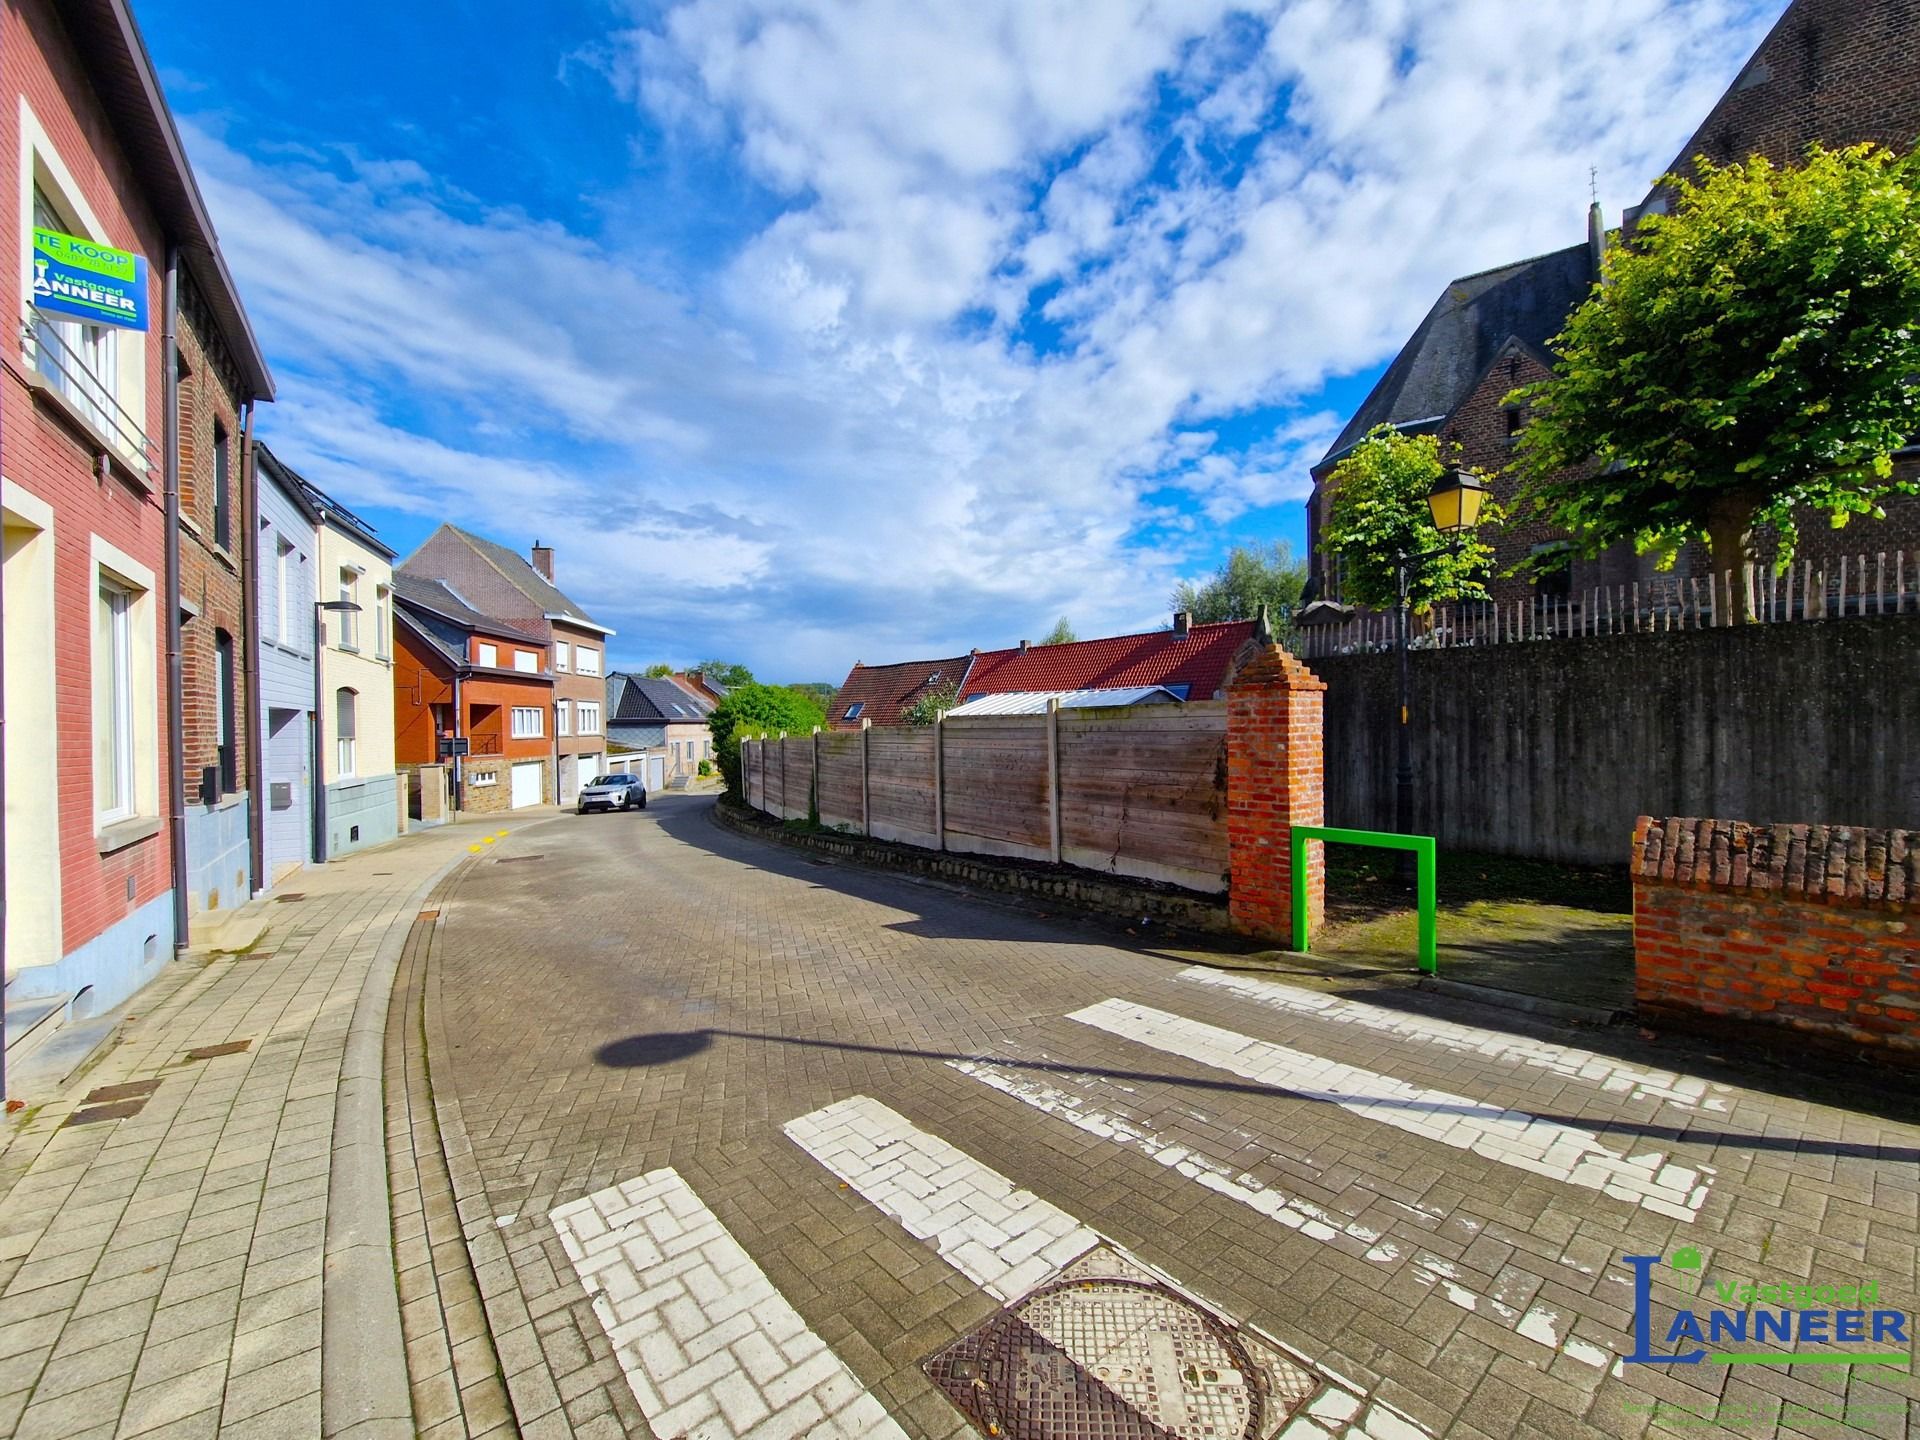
[88, 281]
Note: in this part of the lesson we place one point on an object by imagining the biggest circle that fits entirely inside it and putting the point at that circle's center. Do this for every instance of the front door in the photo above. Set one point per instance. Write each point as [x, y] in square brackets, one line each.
[527, 776]
[289, 822]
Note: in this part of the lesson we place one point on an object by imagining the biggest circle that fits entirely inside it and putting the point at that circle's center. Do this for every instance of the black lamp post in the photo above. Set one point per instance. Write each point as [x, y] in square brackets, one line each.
[1454, 502]
[338, 607]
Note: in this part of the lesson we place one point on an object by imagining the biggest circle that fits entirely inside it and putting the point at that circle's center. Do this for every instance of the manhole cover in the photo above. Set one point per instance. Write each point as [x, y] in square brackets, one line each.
[1108, 1350]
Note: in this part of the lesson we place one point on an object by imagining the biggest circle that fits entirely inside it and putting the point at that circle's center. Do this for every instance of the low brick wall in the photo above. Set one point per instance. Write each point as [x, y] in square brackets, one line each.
[1036, 880]
[1812, 927]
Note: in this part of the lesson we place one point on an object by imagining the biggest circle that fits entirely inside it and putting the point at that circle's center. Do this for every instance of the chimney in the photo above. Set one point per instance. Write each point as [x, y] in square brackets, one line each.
[1023, 647]
[543, 561]
[1182, 622]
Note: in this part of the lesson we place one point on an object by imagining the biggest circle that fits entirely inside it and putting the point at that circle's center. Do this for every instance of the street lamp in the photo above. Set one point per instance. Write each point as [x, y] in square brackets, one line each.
[1454, 502]
[320, 607]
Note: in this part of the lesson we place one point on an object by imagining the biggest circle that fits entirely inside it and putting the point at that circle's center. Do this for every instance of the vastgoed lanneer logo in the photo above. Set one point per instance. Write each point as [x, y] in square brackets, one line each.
[1755, 1312]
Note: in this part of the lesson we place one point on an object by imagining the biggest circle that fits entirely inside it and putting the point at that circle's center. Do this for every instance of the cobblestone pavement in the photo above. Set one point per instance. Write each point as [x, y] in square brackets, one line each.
[741, 1140]
[161, 1272]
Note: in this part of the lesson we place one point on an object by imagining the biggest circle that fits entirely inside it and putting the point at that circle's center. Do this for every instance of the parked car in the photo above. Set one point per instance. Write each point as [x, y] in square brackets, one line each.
[613, 792]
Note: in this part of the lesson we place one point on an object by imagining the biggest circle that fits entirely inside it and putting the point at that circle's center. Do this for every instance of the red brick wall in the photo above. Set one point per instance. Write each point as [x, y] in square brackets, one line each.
[1808, 927]
[39, 62]
[1275, 780]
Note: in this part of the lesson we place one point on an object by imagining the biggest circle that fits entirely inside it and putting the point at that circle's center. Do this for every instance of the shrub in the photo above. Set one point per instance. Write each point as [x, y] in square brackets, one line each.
[755, 710]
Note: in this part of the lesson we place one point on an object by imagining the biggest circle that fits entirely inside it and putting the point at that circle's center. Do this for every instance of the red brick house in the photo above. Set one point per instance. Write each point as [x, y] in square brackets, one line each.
[96, 823]
[461, 675]
[882, 693]
[1820, 75]
[1195, 662]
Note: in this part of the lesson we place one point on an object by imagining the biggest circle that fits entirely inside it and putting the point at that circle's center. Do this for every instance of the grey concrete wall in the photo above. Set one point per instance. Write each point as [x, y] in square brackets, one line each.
[1551, 749]
[372, 806]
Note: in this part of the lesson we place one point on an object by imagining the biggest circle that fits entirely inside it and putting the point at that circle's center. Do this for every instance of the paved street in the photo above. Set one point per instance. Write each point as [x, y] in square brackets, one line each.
[741, 1140]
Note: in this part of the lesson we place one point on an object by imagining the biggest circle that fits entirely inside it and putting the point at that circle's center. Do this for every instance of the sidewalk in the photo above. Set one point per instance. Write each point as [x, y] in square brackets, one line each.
[164, 1222]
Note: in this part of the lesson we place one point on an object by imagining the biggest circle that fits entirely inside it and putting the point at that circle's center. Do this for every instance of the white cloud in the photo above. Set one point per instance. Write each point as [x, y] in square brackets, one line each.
[838, 440]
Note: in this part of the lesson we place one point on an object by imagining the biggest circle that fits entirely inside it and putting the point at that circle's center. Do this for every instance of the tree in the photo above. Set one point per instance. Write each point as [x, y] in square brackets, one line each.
[818, 691]
[930, 705]
[1061, 634]
[1380, 515]
[725, 672]
[757, 710]
[1754, 351]
[1248, 578]
[658, 672]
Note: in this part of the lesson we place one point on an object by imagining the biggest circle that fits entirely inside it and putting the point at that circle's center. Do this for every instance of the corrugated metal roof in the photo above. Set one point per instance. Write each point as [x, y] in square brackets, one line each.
[1034, 702]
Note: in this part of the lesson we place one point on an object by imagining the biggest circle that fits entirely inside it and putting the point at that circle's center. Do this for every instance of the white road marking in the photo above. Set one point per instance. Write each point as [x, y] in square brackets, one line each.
[1006, 1240]
[1683, 1092]
[1509, 1137]
[1313, 1221]
[709, 1348]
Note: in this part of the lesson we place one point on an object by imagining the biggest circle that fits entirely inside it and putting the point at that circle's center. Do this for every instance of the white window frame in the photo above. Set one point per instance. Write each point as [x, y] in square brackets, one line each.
[481, 779]
[562, 655]
[349, 637]
[485, 652]
[563, 717]
[125, 680]
[528, 722]
[346, 758]
[526, 662]
[283, 581]
[586, 661]
[381, 649]
[587, 717]
[116, 799]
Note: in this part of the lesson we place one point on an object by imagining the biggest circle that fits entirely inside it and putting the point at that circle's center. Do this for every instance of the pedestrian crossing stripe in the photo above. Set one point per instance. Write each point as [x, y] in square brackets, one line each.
[1539, 1146]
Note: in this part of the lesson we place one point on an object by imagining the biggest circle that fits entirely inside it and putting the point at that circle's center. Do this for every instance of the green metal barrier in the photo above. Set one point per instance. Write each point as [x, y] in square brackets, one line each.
[1423, 850]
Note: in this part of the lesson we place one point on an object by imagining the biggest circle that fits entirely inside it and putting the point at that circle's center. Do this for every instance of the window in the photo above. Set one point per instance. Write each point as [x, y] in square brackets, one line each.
[589, 717]
[480, 779]
[853, 711]
[349, 619]
[563, 717]
[380, 594]
[527, 661]
[585, 661]
[562, 653]
[283, 573]
[79, 360]
[226, 725]
[222, 488]
[345, 728]
[485, 654]
[527, 722]
[1552, 565]
[113, 713]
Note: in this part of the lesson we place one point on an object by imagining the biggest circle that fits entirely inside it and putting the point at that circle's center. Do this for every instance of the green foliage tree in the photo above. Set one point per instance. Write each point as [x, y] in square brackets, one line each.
[1250, 576]
[1754, 351]
[1380, 514]
[658, 672]
[725, 672]
[930, 705]
[1061, 634]
[818, 691]
[752, 710]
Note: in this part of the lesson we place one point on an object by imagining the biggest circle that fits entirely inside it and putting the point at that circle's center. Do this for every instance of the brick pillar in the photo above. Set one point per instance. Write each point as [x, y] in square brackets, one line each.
[1275, 775]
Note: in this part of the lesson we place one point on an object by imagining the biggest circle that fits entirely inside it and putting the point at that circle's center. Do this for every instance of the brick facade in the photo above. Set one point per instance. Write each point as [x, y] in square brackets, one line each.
[1805, 927]
[1275, 781]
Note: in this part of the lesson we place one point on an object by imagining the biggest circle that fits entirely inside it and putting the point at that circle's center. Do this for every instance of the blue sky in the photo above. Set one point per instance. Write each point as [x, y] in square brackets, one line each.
[811, 332]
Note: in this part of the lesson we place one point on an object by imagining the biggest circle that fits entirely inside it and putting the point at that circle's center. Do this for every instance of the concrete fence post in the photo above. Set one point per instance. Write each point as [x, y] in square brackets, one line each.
[813, 780]
[1275, 781]
[866, 810]
[939, 783]
[1053, 779]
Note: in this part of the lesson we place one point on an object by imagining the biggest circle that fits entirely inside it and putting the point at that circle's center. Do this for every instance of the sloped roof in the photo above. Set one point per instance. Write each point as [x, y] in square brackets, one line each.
[883, 692]
[442, 600]
[1463, 332]
[518, 572]
[642, 699]
[1200, 660]
[1035, 702]
[322, 507]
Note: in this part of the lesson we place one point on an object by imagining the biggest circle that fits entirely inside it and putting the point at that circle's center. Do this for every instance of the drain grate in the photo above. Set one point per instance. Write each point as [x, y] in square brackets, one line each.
[519, 859]
[213, 1052]
[1109, 1350]
[130, 1090]
[119, 1110]
[290, 897]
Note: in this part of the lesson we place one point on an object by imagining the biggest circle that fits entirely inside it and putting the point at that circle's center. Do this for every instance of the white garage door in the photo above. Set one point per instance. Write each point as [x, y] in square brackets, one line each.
[656, 772]
[590, 767]
[526, 784]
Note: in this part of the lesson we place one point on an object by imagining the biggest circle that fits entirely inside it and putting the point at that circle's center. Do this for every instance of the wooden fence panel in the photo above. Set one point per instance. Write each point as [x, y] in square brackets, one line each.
[839, 793]
[796, 795]
[995, 783]
[1144, 792]
[750, 786]
[900, 784]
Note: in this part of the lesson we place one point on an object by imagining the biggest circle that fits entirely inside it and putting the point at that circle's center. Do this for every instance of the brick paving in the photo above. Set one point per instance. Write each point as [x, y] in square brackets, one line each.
[161, 1273]
[653, 993]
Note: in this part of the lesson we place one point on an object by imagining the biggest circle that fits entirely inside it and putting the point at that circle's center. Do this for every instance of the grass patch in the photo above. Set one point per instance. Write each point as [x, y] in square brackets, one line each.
[1362, 881]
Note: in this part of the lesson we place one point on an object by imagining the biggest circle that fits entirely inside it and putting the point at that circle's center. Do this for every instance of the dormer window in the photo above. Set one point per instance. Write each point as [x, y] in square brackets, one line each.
[853, 710]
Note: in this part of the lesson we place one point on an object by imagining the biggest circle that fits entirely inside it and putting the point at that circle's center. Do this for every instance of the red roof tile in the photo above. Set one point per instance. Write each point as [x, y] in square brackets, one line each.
[1201, 660]
[883, 691]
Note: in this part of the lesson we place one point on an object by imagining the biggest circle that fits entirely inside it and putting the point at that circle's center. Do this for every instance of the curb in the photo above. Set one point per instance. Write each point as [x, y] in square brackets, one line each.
[1526, 1004]
[364, 1389]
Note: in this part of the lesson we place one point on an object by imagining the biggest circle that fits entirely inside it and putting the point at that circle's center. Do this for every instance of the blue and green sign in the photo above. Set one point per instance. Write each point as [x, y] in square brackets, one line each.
[88, 281]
